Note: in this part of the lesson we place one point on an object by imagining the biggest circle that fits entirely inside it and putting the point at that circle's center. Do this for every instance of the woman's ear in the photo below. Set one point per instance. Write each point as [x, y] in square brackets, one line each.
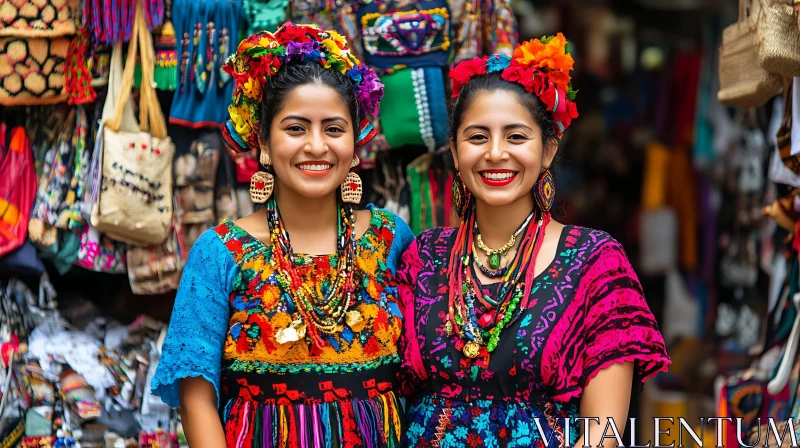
[454, 153]
[264, 144]
[550, 149]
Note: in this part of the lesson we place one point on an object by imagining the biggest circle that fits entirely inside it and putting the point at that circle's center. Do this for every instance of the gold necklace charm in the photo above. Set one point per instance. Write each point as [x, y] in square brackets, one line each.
[471, 349]
[493, 255]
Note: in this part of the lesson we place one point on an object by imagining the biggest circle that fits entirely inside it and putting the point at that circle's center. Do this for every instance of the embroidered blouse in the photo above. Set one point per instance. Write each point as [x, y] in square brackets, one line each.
[227, 311]
[586, 312]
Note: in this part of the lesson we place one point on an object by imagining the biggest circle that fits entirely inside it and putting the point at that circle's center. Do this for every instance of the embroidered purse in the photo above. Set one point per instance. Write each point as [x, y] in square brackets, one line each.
[413, 110]
[411, 36]
[135, 203]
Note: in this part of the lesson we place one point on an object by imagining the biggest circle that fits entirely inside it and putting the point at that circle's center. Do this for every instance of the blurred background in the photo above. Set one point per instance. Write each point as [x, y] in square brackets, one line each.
[683, 152]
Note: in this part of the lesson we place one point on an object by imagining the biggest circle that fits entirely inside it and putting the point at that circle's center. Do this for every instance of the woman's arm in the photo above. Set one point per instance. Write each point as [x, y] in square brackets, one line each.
[199, 415]
[606, 397]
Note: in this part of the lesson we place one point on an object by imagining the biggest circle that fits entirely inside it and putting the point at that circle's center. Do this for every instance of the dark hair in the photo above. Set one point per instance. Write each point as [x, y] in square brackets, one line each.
[492, 82]
[294, 75]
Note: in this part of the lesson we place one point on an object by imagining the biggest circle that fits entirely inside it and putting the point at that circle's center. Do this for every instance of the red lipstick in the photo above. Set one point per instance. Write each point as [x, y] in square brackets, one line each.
[498, 182]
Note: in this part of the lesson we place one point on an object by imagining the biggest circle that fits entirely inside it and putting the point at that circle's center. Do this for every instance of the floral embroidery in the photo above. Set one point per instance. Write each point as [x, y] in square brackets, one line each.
[341, 393]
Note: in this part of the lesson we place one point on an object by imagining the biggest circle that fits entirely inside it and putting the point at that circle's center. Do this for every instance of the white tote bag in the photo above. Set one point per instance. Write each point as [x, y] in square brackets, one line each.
[135, 203]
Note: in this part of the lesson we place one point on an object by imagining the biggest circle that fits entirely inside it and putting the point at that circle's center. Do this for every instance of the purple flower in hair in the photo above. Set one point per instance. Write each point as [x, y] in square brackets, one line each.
[298, 50]
[370, 90]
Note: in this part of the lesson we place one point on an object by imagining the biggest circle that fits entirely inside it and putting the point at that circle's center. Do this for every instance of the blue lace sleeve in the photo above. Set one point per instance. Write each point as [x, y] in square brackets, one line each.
[403, 236]
[199, 322]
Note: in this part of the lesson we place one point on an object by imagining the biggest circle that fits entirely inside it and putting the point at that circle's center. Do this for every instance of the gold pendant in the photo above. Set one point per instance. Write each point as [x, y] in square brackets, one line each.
[354, 318]
[286, 335]
[471, 349]
[448, 327]
[293, 333]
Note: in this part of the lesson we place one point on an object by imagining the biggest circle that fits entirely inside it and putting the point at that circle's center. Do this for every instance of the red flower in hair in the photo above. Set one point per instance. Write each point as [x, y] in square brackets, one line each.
[527, 77]
[465, 70]
[294, 33]
[548, 96]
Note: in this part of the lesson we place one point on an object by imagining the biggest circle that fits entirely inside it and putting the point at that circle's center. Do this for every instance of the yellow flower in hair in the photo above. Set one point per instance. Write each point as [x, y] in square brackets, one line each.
[338, 38]
[333, 49]
[268, 41]
[252, 89]
[240, 119]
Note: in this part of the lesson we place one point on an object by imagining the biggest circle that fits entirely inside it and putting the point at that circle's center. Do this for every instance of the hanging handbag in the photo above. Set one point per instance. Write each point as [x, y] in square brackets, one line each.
[135, 204]
[417, 34]
[743, 83]
[17, 190]
[778, 39]
[98, 252]
[413, 110]
[157, 269]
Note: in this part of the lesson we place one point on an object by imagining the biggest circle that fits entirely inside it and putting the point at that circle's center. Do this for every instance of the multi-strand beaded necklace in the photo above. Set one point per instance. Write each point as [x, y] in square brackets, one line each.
[482, 327]
[317, 315]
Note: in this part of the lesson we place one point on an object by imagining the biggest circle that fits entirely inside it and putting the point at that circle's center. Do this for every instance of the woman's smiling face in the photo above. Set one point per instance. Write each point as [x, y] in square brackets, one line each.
[499, 150]
[311, 141]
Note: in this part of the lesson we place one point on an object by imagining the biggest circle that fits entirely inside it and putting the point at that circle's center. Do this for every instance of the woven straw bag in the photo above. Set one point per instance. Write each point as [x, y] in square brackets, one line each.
[778, 39]
[742, 82]
[135, 203]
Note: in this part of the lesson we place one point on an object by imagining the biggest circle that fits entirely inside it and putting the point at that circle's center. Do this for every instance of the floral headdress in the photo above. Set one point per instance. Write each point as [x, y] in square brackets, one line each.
[542, 66]
[262, 54]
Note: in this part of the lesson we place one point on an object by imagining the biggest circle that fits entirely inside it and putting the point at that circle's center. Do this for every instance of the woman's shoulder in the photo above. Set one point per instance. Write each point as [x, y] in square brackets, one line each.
[588, 239]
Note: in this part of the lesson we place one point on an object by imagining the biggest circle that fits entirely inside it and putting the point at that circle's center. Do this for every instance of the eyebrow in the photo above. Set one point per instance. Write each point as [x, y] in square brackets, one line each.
[505, 128]
[306, 120]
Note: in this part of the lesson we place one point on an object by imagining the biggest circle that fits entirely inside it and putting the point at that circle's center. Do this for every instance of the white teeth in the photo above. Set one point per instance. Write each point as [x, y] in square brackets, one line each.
[315, 167]
[498, 176]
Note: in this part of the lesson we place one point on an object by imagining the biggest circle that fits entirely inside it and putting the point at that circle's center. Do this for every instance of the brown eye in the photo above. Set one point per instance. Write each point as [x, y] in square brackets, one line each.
[478, 138]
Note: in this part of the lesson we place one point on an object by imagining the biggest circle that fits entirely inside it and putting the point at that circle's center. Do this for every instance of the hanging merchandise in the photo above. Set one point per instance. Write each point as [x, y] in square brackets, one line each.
[779, 38]
[157, 269]
[430, 182]
[165, 43]
[78, 77]
[264, 15]
[483, 27]
[32, 70]
[208, 33]
[17, 189]
[784, 136]
[398, 34]
[195, 179]
[98, 252]
[135, 203]
[419, 119]
[36, 18]
[113, 20]
[743, 83]
[500, 27]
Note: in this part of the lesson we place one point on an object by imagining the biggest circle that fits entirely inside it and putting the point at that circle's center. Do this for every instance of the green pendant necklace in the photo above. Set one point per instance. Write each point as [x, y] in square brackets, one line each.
[493, 256]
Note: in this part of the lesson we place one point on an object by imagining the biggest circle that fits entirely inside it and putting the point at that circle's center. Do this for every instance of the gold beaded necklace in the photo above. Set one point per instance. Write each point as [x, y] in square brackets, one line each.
[493, 256]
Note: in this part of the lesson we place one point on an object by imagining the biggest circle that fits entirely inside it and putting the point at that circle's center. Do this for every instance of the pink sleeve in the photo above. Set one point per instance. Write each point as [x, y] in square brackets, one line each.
[607, 321]
[412, 372]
